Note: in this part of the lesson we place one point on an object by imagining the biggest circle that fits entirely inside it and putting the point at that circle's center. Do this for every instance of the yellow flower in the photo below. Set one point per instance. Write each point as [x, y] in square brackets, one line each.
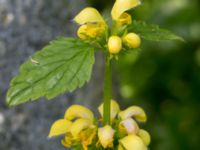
[135, 112]
[145, 136]
[121, 6]
[92, 23]
[82, 129]
[106, 136]
[114, 44]
[88, 15]
[132, 40]
[131, 142]
[113, 110]
[60, 127]
[78, 111]
[128, 126]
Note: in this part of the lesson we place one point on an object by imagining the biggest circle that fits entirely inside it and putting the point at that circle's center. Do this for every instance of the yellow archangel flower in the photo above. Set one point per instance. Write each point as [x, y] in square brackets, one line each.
[92, 23]
[77, 125]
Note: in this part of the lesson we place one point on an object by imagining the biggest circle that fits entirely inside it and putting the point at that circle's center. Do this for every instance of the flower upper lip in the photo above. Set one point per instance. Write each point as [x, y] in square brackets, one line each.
[121, 6]
[88, 15]
[91, 15]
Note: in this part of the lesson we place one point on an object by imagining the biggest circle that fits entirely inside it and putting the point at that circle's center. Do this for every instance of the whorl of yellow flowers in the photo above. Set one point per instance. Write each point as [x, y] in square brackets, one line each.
[93, 26]
[79, 127]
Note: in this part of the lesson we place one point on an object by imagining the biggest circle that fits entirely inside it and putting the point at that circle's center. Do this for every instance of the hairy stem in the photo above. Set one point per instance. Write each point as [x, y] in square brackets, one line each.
[107, 90]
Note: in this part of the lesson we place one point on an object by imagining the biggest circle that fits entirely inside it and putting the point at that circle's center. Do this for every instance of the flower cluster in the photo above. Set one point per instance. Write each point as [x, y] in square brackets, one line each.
[81, 129]
[93, 26]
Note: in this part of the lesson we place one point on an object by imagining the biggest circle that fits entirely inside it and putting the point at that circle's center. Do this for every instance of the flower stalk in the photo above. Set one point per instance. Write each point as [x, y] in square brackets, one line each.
[107, 90]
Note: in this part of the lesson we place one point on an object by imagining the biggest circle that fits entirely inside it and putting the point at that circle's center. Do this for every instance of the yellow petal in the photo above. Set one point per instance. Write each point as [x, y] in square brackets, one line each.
[91, 30]
[67, 141]
[106, 136]
[87, 136]
[82, 31]
[88, 15]
[120, 147]
[132, 40]
[132, 142]
[114, 109]
[114, 44]
[85, 147]
[133, 111]
[121, 6]
[145, 136]
[60, 127]
[78, 126]
[128, 126]
[78, 111]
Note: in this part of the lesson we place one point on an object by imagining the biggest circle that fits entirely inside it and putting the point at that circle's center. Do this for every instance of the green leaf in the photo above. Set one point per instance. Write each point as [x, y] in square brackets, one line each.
[64, 65]
[152, 32]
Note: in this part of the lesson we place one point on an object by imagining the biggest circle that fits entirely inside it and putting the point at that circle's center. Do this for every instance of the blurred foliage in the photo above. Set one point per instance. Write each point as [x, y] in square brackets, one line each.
[165, 77]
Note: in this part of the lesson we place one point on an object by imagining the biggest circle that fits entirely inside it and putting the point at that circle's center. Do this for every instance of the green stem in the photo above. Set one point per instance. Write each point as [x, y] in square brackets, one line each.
[107, 90]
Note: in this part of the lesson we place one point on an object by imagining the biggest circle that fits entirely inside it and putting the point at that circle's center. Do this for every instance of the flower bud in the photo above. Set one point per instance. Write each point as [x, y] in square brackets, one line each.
[132, 40]
[114, 44]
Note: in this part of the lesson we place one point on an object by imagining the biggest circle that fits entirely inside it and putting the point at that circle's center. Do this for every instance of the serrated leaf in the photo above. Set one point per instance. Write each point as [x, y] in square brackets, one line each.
[152, 32]
[64, 65]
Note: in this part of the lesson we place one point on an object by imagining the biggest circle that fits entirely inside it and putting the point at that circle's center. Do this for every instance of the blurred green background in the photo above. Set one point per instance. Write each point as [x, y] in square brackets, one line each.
[164, 77]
